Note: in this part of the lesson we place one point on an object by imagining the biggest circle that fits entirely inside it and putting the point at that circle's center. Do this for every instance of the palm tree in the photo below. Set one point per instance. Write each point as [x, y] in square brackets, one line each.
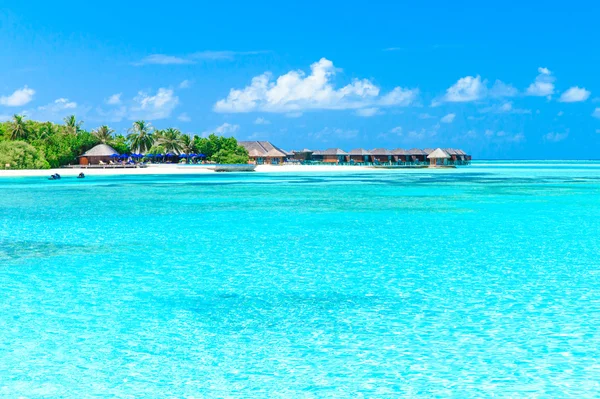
[72, 124]
[140, 136]
[188, 145]
[45, 131]
[103, 134]
[171, 139]
[17, 128]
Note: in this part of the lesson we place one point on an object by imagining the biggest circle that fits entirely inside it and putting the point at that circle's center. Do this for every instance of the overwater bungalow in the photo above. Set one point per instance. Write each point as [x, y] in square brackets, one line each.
[438, 157]
[360, 155]
[100, 154]
[416, 155]
[334, 155]
[263, 152]
[399, 156]
[381, 155]
[302, 155]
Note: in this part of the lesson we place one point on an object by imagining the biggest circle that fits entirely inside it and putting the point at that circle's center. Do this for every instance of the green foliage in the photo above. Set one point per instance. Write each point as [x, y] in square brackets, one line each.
[140, 136]
[120, 144]
[221, 149]
[63, 149]
[21, 155]
[171, 140]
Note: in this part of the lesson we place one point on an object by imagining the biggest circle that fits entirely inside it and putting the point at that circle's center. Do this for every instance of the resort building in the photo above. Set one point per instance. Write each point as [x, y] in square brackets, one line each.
[416, 155]
[302, 155]
[102, 153]
[400, 156]
[381, 155]
[438, 157]
[333, 155]
[360, 155]
[263, 152]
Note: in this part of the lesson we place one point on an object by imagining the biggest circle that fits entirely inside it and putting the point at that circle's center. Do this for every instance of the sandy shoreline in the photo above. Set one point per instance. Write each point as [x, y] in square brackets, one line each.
[181, 170]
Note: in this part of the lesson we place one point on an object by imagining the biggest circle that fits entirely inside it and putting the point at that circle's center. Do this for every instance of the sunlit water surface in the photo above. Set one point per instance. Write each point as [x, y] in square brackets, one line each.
[477, 282]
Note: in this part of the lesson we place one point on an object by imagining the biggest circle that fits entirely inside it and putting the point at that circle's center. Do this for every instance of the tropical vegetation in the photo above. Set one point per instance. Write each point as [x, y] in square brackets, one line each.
[32, 144]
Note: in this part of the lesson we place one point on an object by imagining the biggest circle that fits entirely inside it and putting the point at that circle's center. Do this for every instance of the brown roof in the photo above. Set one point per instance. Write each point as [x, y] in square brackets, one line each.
[333, 151]
[399, 151]
[416, 151]
[101, 150]
[380, 151]
[262, 149]
[359, 151]
[438, 153]
[428, 150]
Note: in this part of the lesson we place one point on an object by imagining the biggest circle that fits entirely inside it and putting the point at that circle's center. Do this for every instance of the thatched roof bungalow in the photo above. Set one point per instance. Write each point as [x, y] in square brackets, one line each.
[416, 155]
[263, 152]
[437, 157]
[334, 155]
[102, 153]
[399, 155]
[360, 155]
[381, 155]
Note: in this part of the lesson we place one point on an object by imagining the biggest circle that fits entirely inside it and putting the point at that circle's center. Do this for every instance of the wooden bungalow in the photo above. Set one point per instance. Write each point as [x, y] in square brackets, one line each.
[360, 155]
[399, 156]
[334, 155]
[416, 155]
[302, 155]
[263, 152]
[438, 157]
[381, 155]
[102, 153]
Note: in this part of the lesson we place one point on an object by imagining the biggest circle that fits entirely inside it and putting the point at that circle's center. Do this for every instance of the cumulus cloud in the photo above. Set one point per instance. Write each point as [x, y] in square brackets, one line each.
[505, 108]
[18, 98]
[543, 86]
[115, 99]
[466, 89]
[152, 107]
[448, 118]
[261, 121]
[367, 112]
[296, 91]
[556, 137]
[185, 84]
[56, 110]
[574, 94]
[501, 89]
[596, 113]
[226, 128]
[184, 117]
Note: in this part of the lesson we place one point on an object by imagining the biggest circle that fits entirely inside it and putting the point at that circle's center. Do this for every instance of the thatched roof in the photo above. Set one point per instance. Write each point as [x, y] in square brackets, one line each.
[359, 151]
[428, 150]
[438, 153]
[416, 151]
[333, 151]
[306, 150]
[399, 151]
[101, 150]
[262, 149]
[380, 151]
[450, 151]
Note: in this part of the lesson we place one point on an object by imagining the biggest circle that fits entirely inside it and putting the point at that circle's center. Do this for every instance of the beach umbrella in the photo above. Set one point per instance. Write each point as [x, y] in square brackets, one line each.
[115, 156]
[183, 155]
[201, 155]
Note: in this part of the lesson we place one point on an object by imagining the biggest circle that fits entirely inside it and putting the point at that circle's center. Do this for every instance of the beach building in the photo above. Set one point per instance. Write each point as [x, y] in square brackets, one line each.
[416, 156]
[381, 155]
[360, 155]
[399, 156]
[263, 152]
[102, 153]
[438, 157]
[334, 155]
[302, 155]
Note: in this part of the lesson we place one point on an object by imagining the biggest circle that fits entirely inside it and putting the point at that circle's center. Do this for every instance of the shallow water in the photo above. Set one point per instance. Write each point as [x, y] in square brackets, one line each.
[477, 282]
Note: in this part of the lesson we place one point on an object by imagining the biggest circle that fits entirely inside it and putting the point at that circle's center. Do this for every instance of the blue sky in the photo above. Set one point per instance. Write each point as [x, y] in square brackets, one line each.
[500, 81]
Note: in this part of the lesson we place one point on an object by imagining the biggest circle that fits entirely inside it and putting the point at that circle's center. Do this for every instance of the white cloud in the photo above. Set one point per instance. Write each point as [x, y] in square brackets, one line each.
[556, 137]
[56, 110]
[184, 117]
[18, 98]
[158, 106]
[501, 89]
[115, 99]
[396, 130]
[59, 104]
[596, 113]
[502, 136]
[162, 59]
[227, 128]
[296, 92]
[366, 112]
[448, 118]
[574, 94]
[112, 115]
[185, 84]
[543, 86]
[261, 121]
[466, 89]
[426, 116]
[505, 108]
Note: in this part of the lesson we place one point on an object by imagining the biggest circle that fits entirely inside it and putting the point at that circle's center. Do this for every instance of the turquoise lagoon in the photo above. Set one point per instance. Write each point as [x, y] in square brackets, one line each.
[477, 282]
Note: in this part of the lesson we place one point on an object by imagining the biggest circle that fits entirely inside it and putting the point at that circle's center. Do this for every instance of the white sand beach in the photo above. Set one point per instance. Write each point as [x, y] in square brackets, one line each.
[172, 169]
